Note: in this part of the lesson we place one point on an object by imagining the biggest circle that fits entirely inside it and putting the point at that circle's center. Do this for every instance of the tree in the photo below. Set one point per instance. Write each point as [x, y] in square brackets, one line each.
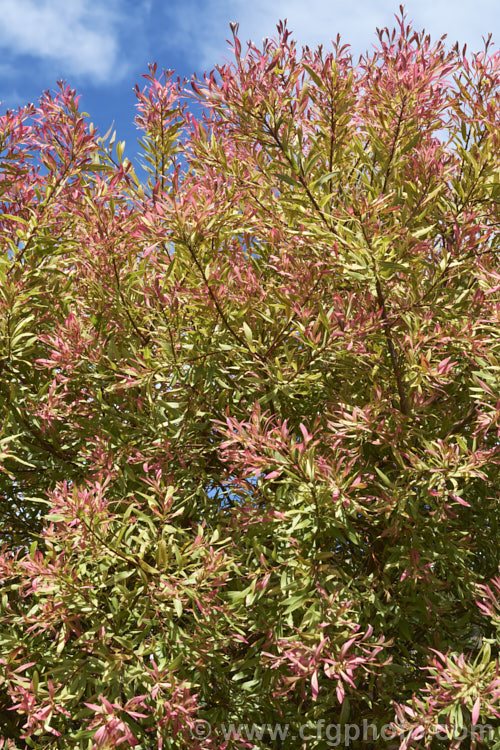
[250, 411]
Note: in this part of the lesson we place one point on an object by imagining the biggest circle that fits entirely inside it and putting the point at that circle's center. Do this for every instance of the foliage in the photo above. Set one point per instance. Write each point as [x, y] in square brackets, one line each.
[249, 405]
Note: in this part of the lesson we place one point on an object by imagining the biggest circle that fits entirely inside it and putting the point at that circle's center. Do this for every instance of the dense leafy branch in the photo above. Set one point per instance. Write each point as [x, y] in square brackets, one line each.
[249, 412]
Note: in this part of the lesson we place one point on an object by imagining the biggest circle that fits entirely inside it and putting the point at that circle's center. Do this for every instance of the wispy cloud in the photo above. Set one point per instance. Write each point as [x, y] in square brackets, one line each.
[200, 30]
[78, 37]
[107, 42]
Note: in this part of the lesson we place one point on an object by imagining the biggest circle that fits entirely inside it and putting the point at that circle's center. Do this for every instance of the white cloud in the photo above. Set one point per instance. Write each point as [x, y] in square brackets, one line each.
[100, 40]
[78, 37]
[200, 29]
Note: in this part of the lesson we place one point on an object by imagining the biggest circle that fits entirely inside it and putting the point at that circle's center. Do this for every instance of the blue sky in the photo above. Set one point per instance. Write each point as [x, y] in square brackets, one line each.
[101, 47]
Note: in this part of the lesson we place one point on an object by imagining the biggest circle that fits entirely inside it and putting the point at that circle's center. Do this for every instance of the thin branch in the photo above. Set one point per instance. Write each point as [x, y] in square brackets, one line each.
[145, 339]
[393, 146]
[214, 299]
[458, 426]
[403, 403]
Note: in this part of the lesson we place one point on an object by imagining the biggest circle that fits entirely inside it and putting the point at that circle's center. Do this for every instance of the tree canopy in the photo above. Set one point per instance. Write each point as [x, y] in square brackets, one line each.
[249, 405]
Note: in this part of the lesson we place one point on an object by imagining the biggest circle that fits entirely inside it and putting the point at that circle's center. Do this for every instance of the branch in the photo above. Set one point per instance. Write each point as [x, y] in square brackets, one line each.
[214, 299]
[403, 403]
[457, 426]
[145, 339]
[393, 146]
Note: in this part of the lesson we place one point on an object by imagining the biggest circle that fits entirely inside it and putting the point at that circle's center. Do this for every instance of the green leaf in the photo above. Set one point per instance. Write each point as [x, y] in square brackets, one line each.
[289, 179]
[120, 148]
[248, 333]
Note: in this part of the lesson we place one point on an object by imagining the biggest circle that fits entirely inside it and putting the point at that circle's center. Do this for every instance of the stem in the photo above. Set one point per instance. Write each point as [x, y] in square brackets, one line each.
[457, 426]
[403, 403]
[393, 146]
[144, 339]
[214, 299]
